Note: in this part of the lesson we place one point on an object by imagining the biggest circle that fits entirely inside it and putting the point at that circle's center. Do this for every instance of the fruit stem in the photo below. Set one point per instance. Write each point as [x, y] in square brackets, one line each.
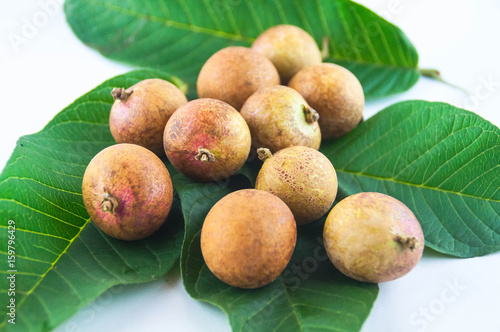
[120, 94]
[204, 155]
[436, 75]
[325, 52]
[180, 84]
[264, 153]
[311, 115]
[109, 203]
[407, 243]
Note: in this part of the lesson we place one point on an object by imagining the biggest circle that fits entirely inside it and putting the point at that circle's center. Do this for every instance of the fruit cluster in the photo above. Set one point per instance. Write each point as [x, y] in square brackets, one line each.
[248, 237]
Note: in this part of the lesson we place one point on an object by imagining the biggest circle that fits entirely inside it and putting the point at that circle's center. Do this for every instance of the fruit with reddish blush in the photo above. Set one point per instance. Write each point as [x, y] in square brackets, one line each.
[140, 113]
[234, 73]
[248, 238]
[302, 177]
[289, 48]
[335, 93]
[278, 117]
[207, 140]
[373, 237]
[127, 191]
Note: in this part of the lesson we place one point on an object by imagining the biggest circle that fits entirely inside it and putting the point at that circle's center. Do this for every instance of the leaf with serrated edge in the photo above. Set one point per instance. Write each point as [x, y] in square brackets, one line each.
[441, 161]
[179, 36]
[310, 294]
[62, 260]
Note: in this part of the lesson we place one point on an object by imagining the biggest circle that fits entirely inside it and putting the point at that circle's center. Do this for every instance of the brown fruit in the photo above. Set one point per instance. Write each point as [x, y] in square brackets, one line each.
[289, 48]
[127, 191]
[302, 177]
[373, 237]
[207, 140]
[234, 73]
[140, 113]
[335, 93]
[248, 238]
[278, 117]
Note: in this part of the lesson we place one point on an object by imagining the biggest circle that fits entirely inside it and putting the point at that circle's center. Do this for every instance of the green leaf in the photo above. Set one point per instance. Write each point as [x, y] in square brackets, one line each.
[62, 260]
[179, 36]
[310, 294]
[441, 161]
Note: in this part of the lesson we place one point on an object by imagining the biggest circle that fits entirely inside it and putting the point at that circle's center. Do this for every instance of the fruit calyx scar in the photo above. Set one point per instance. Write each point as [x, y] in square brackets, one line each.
[204, 155]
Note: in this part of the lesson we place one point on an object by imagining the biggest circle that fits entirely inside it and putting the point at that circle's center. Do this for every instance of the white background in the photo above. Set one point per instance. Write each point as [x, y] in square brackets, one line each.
[460, 38]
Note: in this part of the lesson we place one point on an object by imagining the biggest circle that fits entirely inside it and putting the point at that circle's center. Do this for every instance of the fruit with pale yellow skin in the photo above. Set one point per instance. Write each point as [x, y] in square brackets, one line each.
[234, 73]
[302, 177]
[289, 48]
[335, 93]
[140, 113]
[127, 191]
[278, 117]
[248, 238]
[373, 237]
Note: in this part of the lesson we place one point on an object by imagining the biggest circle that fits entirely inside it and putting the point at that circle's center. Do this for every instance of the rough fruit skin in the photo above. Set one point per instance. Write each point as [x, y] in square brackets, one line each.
[248, 238]
[277, 119]
[289, 48]
[373, 237]
[234, 73]
[139, 183]
[141, 118]
[303, 178]
[335, 93]
[212, 125]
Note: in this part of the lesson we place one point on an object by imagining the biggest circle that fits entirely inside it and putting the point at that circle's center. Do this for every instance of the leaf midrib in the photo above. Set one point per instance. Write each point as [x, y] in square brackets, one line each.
[70, 242]
[175, 24]
[381, 178]
[374, 64]
[227, 35]
[294, 310]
